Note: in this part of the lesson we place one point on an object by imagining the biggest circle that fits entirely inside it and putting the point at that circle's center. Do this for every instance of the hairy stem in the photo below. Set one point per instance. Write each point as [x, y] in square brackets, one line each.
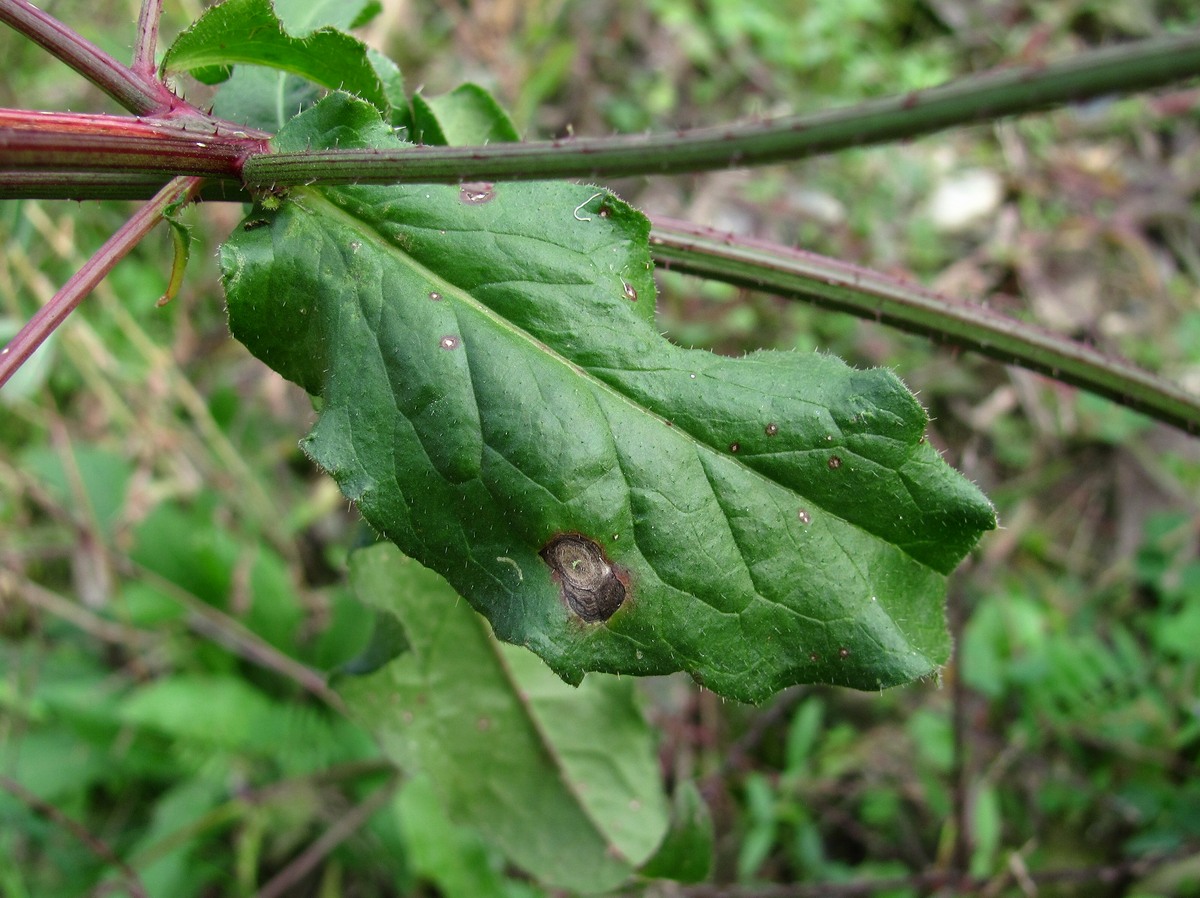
[51, 315]
[184, 144]
[869, 294]
[138, 93]
[1122, 69]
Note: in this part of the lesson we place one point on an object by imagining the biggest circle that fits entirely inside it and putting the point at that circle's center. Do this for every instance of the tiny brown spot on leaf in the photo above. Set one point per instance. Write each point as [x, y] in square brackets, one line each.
[771, 429]
[735, 448]
[835, 462]
[588, 583]
[843, 652]
[450, 341]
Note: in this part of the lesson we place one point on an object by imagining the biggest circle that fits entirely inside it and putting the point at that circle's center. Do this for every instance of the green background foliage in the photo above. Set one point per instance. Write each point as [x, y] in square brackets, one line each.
[172, 569]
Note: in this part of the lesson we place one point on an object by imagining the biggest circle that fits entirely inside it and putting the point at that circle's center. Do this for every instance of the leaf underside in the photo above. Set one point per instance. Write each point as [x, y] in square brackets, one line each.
[493, 381]
[565, 781]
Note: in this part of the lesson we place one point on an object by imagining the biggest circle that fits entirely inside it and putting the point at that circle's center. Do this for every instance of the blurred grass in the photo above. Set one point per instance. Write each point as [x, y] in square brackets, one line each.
[171, 567]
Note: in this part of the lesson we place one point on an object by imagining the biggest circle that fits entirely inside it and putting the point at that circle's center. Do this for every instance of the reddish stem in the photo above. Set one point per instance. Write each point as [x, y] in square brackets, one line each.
[138, 93]
[147, 40]
[186, 142]
[51, 315]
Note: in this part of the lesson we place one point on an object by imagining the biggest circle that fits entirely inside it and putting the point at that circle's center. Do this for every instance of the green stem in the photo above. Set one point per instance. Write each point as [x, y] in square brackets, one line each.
[1123, 69]
[51, 315]
[868, 294]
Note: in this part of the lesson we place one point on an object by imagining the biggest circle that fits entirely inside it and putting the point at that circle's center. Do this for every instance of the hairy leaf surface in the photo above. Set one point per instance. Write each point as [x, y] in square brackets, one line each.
[493, 383]
[249, 32]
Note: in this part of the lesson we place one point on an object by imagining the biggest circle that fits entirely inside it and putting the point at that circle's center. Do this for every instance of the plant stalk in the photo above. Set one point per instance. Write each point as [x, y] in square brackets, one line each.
[51, 315]
[1122, 69]
[184, 144]
[868, 294]
[147, 39]
[136, 92]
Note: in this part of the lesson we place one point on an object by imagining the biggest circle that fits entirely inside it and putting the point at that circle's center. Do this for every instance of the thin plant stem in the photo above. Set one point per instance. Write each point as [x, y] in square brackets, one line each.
[139, 94]
[868, 294]
[50, 316]
[1123, 69]
[147, 39]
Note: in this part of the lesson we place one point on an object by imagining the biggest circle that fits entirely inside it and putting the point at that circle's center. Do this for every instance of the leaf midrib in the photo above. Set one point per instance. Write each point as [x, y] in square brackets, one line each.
[451, 290]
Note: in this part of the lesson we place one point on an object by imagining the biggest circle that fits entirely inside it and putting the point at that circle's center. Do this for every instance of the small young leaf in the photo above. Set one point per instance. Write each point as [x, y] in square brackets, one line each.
[494, 383]
[564, 781]
[249, 32]
[466, 115]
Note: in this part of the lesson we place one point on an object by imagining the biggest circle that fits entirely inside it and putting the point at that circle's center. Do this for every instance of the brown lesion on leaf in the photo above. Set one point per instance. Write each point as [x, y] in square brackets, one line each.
[589, 583]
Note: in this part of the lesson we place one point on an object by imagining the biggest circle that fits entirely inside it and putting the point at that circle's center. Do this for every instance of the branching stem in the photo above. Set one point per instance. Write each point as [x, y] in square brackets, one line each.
[141, 94]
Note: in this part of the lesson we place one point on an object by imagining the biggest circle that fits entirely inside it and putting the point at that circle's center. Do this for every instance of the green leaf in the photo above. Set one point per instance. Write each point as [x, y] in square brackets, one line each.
[249, 32]
[500, 404]
[453, 857]
[263, 98]
[466, 115]
[564, 781]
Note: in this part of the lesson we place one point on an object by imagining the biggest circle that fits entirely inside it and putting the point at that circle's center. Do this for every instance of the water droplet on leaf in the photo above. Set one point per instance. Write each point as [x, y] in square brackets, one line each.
[804, 516]
[477, 193]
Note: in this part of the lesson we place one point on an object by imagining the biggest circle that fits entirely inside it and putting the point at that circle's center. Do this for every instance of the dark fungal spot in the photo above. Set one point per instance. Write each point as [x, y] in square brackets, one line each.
[771, 429]
[835, 462]
[590, 586]
[477, 193]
